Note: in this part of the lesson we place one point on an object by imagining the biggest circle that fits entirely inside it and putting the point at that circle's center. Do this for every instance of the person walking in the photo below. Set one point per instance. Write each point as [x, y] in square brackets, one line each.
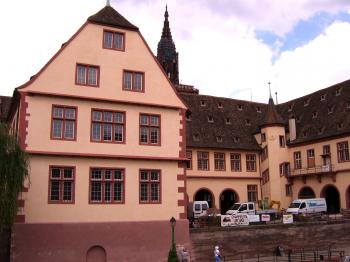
[217, 254]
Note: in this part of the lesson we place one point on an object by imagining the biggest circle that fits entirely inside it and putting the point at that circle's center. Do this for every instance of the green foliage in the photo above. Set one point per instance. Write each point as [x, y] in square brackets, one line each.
[13, 171]
[172, 254]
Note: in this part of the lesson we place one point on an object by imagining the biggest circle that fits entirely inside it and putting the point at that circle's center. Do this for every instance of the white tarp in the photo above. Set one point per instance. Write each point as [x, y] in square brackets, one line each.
[234, 220]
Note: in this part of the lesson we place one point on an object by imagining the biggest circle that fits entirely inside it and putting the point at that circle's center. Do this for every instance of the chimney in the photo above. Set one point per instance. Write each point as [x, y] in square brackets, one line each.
[292, 129]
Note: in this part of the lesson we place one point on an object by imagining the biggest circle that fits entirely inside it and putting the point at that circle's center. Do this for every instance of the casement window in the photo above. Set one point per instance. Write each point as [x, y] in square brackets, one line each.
[107, 126]
[252, 193]
[150, 129]
[310, 158]
[297, 160]
[289, 191]
[189, 159]
[107, 186]
[282, 141]
[265, 177]
[150, 186]
[235, 162]
[61, 185]
[87, 75]
[219, 161]
[203, 160]
[114, 40]
[284, 169]
[343, 151]
[63, 122]
[133, 81]
[251, 162]
[264, 154]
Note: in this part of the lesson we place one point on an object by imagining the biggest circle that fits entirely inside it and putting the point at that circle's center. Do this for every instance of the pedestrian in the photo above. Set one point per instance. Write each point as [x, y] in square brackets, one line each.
[217, 254]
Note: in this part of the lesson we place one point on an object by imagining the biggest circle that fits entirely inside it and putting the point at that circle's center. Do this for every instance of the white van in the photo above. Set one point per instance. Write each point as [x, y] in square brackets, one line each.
[307, 206]
[197, 209]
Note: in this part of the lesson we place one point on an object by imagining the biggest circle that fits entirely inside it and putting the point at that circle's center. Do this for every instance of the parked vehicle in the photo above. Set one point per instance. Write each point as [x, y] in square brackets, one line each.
[249, 208]
[197, 209]
[307, 206]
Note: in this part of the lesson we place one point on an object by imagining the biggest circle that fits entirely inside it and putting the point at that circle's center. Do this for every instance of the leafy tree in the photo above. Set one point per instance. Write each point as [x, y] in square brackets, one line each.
[13, 171]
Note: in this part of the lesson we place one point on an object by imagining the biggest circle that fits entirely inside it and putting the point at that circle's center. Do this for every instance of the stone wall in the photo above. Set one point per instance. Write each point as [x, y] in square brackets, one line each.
[251, 240]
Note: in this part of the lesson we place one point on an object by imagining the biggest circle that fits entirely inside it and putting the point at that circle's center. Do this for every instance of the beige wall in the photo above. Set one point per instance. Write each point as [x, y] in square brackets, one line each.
[38, 210]
[86, 48]
[39, 128]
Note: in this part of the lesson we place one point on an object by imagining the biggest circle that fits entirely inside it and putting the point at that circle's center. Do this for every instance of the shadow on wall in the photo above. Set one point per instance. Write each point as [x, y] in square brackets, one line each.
[96, 254]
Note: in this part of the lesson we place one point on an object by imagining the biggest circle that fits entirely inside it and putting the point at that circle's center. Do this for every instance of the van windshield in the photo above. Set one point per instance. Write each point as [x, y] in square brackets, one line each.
[235, 207]
[294, 205]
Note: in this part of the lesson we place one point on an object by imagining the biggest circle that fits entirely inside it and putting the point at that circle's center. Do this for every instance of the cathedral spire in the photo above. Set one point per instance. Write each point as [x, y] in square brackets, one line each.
[166, 51]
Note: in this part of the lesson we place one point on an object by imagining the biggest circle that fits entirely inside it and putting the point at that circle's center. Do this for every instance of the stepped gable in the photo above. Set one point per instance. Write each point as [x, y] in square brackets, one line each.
[5, 102]
[322, 114]
[208, 126]
[110, 17]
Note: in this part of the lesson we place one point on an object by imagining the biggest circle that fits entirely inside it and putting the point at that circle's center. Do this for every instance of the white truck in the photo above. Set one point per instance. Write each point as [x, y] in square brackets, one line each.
[307, 206]
[249, 208]
[197, 209]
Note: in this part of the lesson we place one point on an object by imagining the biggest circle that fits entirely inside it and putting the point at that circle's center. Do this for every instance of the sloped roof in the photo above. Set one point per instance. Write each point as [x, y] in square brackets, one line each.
[5, 102]
[110, 17]
[322, 114]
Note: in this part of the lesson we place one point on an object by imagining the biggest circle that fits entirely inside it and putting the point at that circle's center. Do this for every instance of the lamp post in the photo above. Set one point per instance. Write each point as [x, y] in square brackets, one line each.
[172, 253]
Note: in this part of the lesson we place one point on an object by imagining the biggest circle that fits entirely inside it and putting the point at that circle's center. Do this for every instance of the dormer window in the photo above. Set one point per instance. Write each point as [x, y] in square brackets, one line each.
[240, 107]
[203, 103]
[210, 119]
[338, 92]
[247, 122]
[188, 116]
[348, 105]
[228, 121]
[330, 109]
[323, 97]
[195, 137]
[290, 108]
[219, 139]
[220, 105]
[306, 102]
[320, 130]
[305, 133]
[258, 109]
[298, 118]
[314, 114]
[113, 40]
[236, 139]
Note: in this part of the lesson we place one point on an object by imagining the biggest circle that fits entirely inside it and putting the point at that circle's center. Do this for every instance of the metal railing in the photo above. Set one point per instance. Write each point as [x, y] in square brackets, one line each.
[312, 170]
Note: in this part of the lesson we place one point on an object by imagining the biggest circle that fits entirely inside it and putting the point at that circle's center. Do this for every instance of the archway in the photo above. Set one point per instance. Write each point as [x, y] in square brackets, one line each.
[227, 198]
[205, 194]
[96, 254]
[331, 194]
[306, 192]
[347, 197]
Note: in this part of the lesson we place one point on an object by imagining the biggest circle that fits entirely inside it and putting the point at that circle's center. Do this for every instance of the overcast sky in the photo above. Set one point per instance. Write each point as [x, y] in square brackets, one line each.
[230, 48]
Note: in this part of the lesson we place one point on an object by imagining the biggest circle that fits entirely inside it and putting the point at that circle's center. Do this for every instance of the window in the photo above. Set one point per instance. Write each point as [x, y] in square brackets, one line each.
[228, 121]
[219, 161]
[258, 109]
[252, 193]
[306, 102]
[323, 97]
[113, 40]
[282, 141]
[310, 158]
[107, 185]
[210, 119]
[240, 107]
[61, 185]
[265, 177]
[326, 149]
[203, 103]
[203, 160]
[314, 114]
[195, 137]
[133, 81]
[247, 122]
[284, 169]
[264, 154]
[330, 110]
[220, 105]
[290, 108]
[87, 75]
[150, 129]
[343, 151]
[236, 139]
[107, 126]
[235, 162]
[219, 139]
[338, 92]
[150, 187]
[63, 123]
[289, 190]
[251, 162]
[297, 160]
[263, 137]
[189, 159]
